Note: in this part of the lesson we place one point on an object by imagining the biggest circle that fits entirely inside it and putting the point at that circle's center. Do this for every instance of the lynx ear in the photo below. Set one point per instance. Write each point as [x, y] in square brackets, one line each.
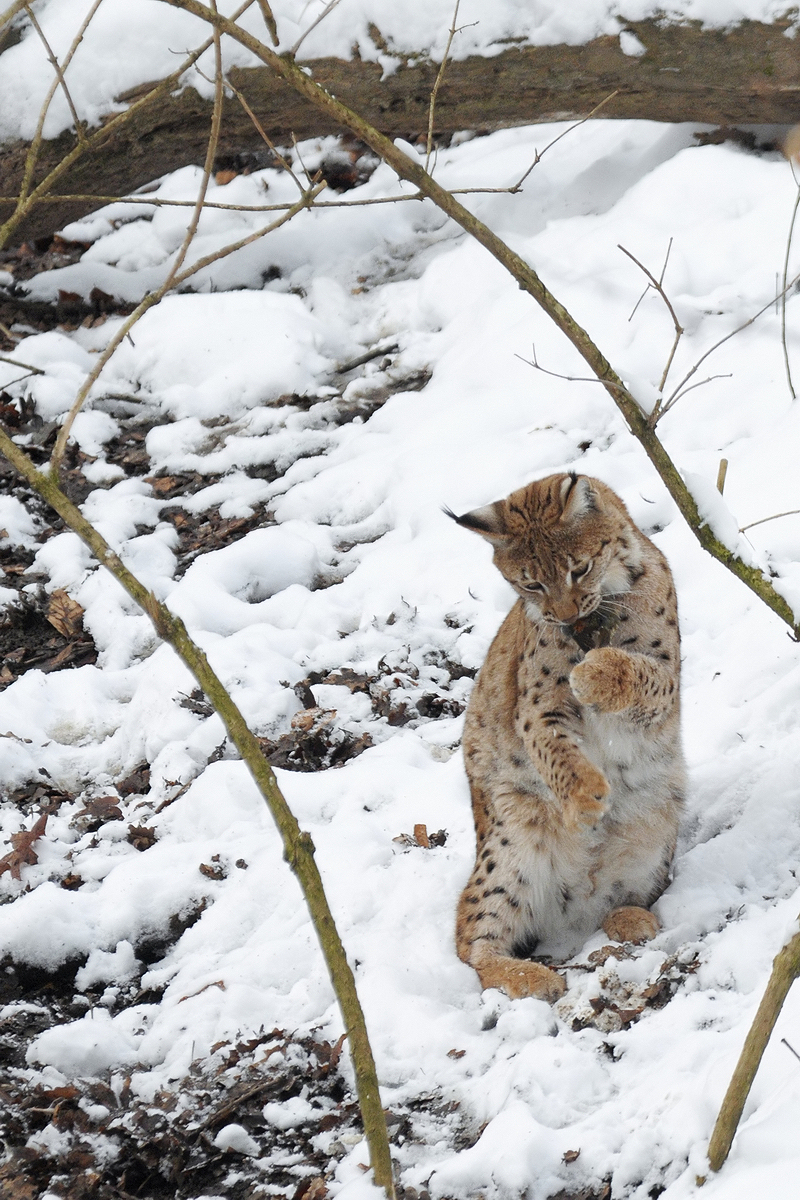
[488, 521]
[578, 497]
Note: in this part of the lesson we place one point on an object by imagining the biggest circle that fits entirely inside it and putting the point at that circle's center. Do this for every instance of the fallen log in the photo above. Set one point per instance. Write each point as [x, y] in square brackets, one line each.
[747, 75]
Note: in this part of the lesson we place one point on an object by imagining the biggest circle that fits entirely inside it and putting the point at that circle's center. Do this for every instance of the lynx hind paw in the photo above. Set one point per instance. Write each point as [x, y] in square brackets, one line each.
[518, 978]
[631, 924]
[606, 677]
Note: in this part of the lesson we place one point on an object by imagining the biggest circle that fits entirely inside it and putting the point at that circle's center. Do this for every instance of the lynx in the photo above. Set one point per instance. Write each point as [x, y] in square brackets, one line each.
[572, 738]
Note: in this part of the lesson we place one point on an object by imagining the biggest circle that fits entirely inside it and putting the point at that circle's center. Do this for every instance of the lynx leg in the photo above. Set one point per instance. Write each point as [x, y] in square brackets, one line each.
[490, 924]
[631, 924]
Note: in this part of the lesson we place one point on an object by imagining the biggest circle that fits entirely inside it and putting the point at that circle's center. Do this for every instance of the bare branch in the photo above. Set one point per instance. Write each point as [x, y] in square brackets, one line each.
[15, 362]
[80, 130]
[517, 187]
[328, 8]
[789, 237]
[269, 21]
[263, 134]
[12, 11]
[792, 512]
[680, 390]
[438, 82]
[656, 284]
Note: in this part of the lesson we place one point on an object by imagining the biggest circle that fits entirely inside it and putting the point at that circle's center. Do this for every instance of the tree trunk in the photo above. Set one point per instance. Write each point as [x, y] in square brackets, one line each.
[750, 75]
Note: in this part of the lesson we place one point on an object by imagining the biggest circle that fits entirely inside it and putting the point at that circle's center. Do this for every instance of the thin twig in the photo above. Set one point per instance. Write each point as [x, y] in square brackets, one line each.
[80, 130]
[680, 390]
[517, 187]
[328, 8]
[269, 21]
[537, 366]
[208, 165]
[172, 275]
[792, 512]
[25, 366]
[33, 150]
[262, 133]
[438, 83]
[783, 293]
[656, 284]
[11, 12]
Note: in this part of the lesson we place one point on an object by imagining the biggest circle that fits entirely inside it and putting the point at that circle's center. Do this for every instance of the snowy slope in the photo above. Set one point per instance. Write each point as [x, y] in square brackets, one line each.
[354, 565]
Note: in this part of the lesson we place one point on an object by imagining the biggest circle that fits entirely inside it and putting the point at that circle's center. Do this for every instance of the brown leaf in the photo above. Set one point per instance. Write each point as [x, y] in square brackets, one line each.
[71, 882]
[215, 871]
[141, 838]
[570, 1156]
[311, 1189]
[65, 614]
[23, 852]
[421, 836]
[137, 782]
[163, 484]
[456, 1053]
[101, 808]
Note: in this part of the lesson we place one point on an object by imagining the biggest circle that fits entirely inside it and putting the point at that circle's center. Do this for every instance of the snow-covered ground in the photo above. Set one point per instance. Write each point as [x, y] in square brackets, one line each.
[354, 566]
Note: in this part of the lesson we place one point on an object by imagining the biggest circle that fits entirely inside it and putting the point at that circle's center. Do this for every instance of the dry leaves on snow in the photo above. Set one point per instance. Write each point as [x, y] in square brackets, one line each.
[22, 852]
[65, 614]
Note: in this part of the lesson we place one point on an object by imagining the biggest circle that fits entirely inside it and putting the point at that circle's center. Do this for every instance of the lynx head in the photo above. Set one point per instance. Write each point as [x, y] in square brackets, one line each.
[564, 543]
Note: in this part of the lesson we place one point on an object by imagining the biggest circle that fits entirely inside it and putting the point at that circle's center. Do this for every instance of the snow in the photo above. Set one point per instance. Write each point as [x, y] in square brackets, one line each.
[356, 565]
[158, 37]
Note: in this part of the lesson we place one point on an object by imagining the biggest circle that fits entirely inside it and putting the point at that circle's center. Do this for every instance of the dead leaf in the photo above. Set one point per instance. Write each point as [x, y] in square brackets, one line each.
[215, 871]
[65, 614]
[421, 836]
[141, 838]
[304, 720]
[101, 808]
[456, 1053]
[223, 177]
[570, 1156]
[23, 853]
[71, 882]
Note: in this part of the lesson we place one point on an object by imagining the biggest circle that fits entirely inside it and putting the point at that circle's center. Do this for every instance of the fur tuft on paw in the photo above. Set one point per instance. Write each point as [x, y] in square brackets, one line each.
[631, 924]
[606, 678]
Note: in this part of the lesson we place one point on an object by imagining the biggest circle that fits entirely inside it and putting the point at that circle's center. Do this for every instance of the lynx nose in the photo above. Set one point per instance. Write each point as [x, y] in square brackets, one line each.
[566, 611]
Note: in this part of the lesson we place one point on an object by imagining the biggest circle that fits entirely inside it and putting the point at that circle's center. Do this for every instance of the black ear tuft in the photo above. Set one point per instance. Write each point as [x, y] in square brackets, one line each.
[578, 497]
[487, 521]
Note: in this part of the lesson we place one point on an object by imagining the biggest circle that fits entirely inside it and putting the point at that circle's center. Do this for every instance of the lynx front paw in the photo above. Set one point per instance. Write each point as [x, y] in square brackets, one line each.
[607, 678]
[631, 924]
[517, 978]
[586, 801]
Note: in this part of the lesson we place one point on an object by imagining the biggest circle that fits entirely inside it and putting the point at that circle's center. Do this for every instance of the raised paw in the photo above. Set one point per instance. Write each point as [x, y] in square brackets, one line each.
[606, 678]
[631, 924]
[517, 978]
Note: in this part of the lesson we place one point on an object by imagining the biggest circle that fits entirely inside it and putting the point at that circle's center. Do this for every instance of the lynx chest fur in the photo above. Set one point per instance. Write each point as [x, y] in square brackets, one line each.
[572, 738]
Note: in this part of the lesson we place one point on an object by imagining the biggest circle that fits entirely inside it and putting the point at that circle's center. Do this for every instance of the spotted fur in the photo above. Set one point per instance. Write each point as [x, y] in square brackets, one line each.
[572, 739]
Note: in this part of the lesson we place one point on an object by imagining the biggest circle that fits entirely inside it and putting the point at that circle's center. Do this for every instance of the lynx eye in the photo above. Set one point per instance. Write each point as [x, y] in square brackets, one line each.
[532, 587]
[583, 570]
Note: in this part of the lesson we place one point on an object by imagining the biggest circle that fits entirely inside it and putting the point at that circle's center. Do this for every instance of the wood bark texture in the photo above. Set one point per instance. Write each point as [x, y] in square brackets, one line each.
[748, 75]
